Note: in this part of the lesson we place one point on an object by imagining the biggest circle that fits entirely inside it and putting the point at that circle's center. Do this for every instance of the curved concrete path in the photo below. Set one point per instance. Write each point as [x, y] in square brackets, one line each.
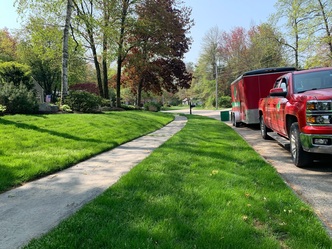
[36, 207]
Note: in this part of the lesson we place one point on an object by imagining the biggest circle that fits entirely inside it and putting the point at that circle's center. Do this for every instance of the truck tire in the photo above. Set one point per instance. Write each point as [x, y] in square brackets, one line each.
[300, 157]
[263, 128]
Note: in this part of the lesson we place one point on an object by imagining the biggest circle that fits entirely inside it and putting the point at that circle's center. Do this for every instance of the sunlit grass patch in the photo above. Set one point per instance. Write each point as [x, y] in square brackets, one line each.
[204, 188]
[36, 145]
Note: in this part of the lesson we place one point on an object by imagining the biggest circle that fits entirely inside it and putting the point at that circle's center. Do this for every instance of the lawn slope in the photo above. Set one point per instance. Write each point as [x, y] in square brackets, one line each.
[32, 146]
[203, 188]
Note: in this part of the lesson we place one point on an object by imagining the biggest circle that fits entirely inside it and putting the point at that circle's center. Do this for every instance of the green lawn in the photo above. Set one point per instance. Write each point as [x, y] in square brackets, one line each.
[172, 108]
[35, 145]
[203, 188]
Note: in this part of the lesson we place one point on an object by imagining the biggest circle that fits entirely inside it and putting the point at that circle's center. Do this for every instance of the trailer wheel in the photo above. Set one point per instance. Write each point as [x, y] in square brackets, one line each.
[300, 157]
[263, 128]
[234, 123]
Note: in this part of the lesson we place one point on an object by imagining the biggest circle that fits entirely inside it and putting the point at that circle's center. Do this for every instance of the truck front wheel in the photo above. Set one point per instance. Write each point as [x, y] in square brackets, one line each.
[300, 157]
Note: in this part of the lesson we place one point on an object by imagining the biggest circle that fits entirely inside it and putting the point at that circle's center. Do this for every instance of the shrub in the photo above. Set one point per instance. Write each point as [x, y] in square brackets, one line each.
[66, 108]
[16, 73]
[82, 101]
[18, 99]
[225, 101]
[152, 106]
[2, 109]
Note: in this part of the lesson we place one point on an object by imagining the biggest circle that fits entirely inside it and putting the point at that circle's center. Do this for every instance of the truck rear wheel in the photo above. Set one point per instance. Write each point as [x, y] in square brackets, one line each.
[263, 128]
[300, 157]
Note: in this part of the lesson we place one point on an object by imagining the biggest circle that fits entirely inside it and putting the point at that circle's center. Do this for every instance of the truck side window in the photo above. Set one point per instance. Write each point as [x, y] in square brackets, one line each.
[283, 85]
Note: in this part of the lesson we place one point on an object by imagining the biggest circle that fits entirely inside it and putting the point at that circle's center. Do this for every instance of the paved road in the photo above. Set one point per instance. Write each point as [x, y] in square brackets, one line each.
[313, 184]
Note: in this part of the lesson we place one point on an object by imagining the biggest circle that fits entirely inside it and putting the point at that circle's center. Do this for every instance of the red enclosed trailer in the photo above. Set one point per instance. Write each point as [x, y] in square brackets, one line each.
[247, 89]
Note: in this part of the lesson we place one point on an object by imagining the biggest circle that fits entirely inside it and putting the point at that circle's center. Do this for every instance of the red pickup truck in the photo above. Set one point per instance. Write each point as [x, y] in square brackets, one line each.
[299, 110]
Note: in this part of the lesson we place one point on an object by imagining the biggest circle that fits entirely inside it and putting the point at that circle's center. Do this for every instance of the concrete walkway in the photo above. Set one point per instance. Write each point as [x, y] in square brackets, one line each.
[33, 209]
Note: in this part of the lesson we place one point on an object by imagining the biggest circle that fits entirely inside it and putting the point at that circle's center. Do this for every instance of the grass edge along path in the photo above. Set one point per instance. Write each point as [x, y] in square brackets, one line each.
[32, 146]
[203, 188]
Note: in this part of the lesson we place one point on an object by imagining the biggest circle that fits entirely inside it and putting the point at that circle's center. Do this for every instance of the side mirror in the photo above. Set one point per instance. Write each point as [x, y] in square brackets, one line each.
[278, 92]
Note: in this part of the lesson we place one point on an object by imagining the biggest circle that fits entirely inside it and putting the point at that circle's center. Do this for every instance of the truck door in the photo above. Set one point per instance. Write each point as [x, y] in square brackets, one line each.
[274, 109]
[270, 109]
[278, 109]
[281, 106]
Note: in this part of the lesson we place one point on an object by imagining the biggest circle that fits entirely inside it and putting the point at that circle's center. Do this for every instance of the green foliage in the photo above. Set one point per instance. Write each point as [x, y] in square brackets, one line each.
[16, 73]
[152, 106]
[235, 52]
[42, 50]
[82, 101]
[225, 101]
[18, 99]
[2, 109]
[130, 107]
[7, 46]
[66, 108]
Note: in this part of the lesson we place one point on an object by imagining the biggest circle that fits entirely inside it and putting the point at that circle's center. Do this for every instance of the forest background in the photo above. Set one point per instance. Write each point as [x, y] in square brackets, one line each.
[132, 51]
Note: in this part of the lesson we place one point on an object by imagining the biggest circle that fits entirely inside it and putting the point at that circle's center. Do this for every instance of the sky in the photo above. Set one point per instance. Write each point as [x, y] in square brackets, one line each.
[207, 14]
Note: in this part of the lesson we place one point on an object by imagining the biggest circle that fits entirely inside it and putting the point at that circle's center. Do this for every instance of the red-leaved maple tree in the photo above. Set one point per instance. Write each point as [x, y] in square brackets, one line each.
[159, 43]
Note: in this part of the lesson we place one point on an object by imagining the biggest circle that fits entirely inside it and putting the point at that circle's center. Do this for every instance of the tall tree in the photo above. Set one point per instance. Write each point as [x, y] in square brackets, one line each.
[238, 51]
[320, 28]
[297, 15]
[211, 50]
[65, 53]
[325, 15]
[52, 13]
[265, 49]
[40, 47]
[8, 45]
[107, 7]
[159, 43]
[126, 22]
[87, 27]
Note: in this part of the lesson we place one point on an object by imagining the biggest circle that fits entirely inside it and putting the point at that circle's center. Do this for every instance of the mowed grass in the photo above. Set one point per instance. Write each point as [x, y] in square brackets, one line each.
[32, 146]
[203, 188]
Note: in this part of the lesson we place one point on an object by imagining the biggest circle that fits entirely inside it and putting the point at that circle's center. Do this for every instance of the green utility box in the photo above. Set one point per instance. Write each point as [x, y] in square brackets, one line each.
[224, 115]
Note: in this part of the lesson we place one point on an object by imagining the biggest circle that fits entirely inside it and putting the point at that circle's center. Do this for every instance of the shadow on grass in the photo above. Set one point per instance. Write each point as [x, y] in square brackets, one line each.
[191, 193]
[171, 200]
[7, 177]
[50, 132]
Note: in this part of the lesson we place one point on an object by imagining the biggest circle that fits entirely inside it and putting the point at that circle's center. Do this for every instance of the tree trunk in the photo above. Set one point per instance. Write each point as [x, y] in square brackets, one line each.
[118, 81]
[105, 51]
[65, 55]
[139, 93]
[96, 62]
[327, 26]
[125, 6]
[105, 80]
